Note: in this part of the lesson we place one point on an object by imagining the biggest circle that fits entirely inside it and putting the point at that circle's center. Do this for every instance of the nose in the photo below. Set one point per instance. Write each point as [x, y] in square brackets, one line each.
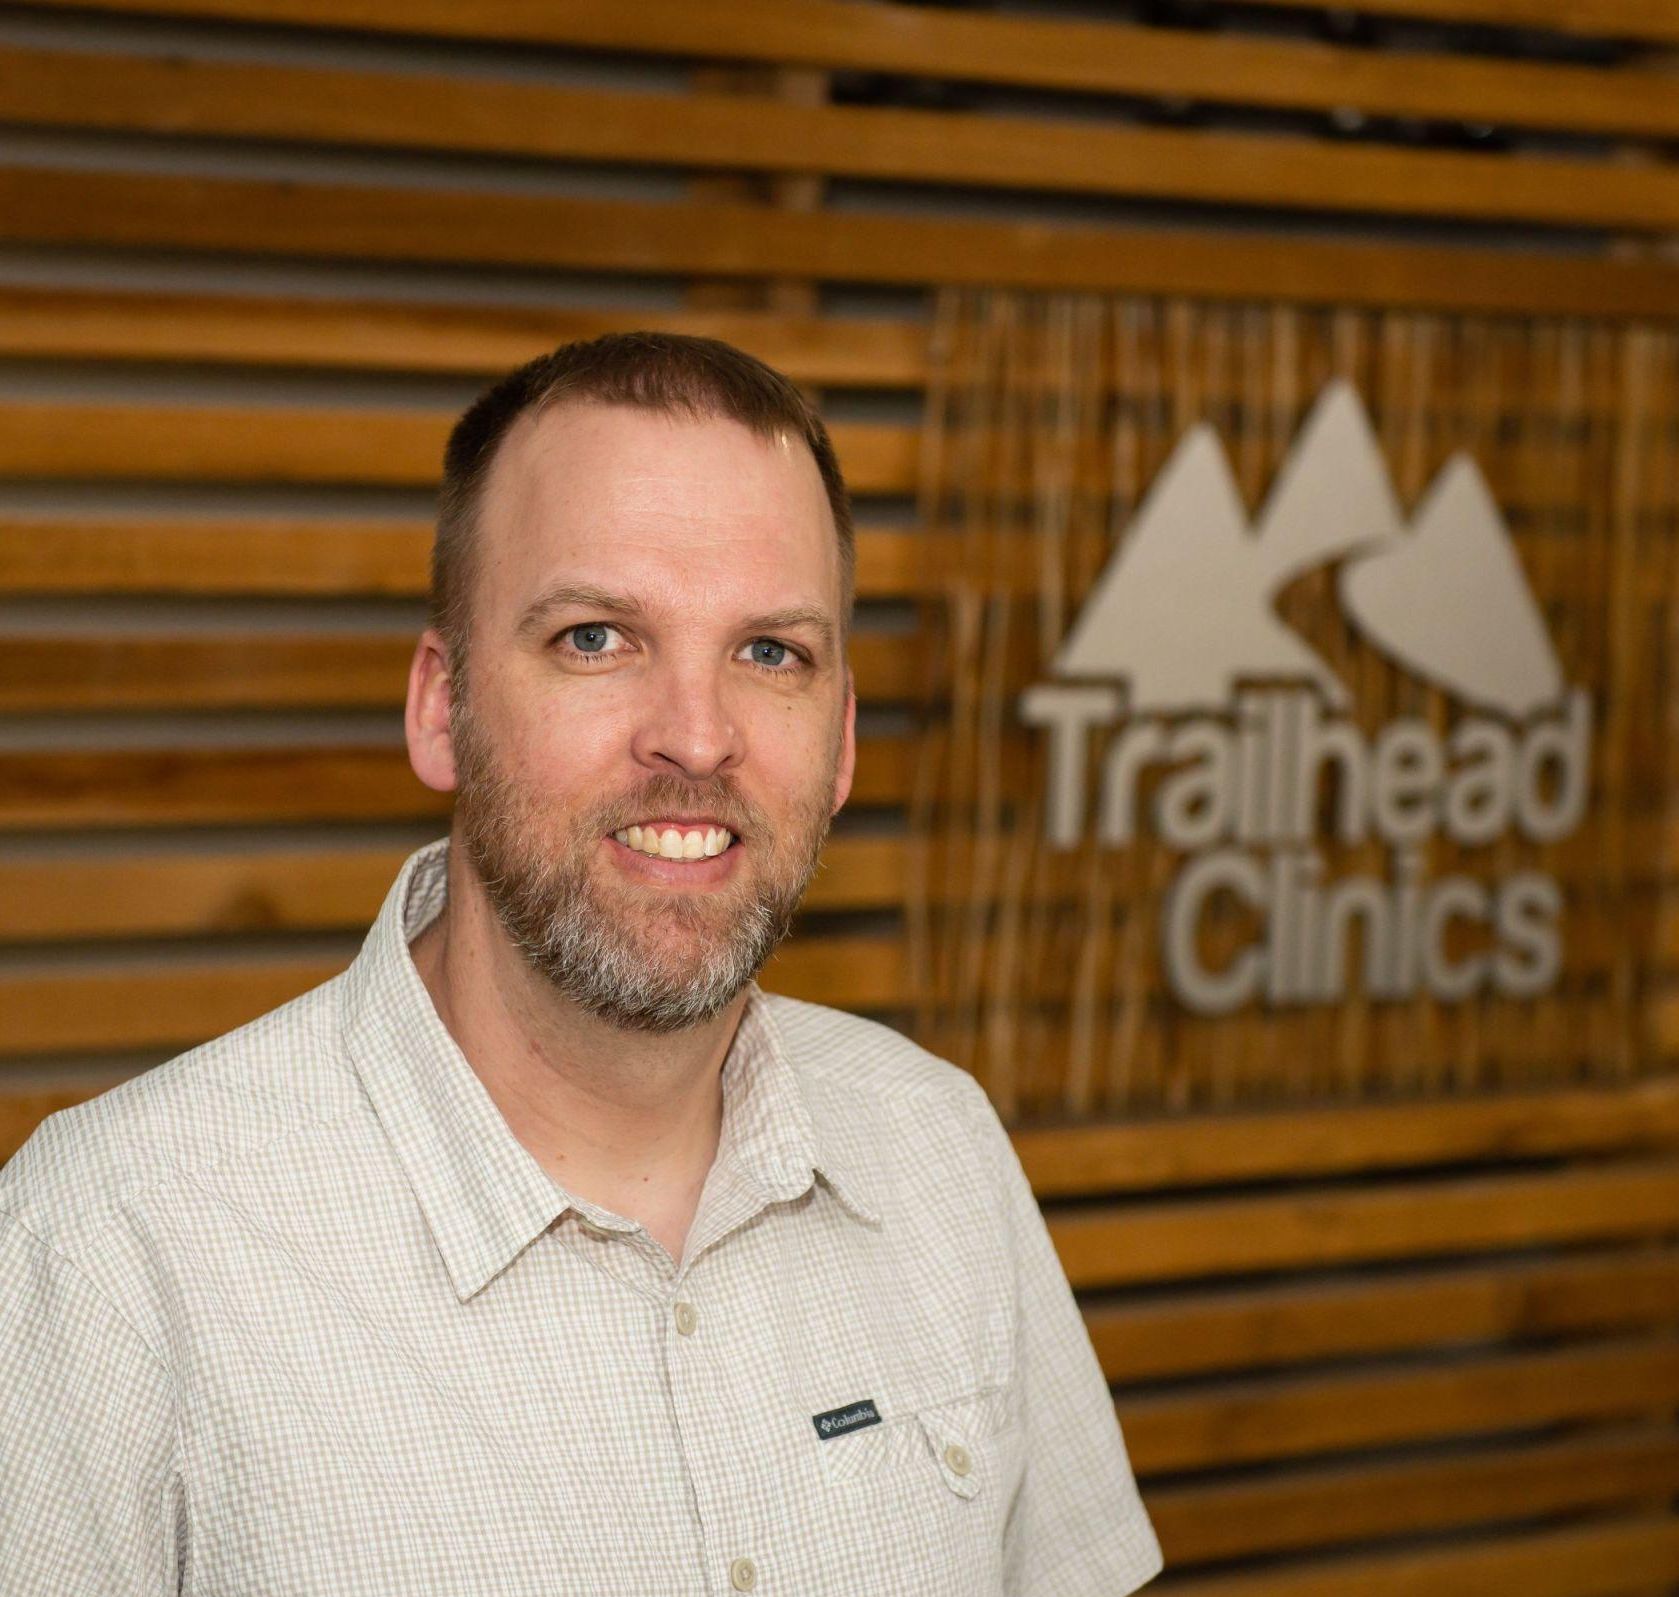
[687, 725]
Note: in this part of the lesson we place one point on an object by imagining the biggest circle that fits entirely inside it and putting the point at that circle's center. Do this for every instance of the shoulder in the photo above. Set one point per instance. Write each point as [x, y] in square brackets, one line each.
[868, 1077]
[831, 1047]
[84, 1166]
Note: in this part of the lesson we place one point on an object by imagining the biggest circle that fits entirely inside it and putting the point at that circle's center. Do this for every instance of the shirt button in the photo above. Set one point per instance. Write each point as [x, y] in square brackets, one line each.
[687, 1317]
[743, 1574]
[956, 1456]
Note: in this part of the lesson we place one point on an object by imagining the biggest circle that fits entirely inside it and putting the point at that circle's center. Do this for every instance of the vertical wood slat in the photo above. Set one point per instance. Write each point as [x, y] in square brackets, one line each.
[794, 192]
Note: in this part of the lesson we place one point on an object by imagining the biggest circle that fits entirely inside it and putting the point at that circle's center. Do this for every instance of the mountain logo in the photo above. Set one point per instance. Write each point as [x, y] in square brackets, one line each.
[1180, 661]
[1184, 610]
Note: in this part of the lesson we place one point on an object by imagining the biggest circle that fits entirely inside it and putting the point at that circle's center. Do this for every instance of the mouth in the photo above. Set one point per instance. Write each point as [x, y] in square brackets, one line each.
[673, 840]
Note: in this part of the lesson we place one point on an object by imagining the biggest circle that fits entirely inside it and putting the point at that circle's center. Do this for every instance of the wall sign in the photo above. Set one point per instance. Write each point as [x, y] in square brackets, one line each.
[1302, 721]
[1178, 662]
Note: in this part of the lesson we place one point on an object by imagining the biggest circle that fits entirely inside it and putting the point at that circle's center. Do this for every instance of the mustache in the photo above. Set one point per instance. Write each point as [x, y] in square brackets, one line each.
[661, 794]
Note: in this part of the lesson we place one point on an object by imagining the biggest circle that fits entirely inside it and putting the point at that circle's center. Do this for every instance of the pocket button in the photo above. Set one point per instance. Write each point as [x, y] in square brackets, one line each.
[953, 1455]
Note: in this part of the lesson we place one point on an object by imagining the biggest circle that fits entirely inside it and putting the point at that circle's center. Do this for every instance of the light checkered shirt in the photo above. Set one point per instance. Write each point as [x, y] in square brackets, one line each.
[297, 1315]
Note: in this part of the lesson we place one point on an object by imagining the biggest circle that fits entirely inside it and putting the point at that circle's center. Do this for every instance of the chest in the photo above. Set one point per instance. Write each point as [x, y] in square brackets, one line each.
[588, 1422]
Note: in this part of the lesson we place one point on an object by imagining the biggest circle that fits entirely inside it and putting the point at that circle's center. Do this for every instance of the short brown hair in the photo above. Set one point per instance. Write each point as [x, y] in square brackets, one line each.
[677, 373]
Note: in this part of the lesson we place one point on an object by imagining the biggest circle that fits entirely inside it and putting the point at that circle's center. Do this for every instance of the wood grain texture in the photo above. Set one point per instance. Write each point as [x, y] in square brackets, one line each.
[1365, 1221]
[1299, 1416]
[327, 557]
[383, 336]
[1631, 19]
[1054, 53]
[205, 892]
[154, 893]
[1298, 1322]
[1146, 1153]
[1615, 1558]
[1316, 1507]
[159, 1003]
[260, 670]
[379, 447]
[355, 222]
[246, 785]
[177, 96]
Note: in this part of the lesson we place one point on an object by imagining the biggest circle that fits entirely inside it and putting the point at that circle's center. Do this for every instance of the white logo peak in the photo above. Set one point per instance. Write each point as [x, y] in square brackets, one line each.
[1185, 607]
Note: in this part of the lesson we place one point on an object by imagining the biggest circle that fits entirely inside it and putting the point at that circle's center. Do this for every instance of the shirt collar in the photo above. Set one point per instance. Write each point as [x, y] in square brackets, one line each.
[484, 1196]
[775, 1130]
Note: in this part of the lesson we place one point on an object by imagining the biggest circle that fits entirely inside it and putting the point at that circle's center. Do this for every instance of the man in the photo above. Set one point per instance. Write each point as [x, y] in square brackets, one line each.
[540, 1252]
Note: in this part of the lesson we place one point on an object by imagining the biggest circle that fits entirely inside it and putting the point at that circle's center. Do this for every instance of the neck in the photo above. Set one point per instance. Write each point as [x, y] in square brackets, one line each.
[629, 1120]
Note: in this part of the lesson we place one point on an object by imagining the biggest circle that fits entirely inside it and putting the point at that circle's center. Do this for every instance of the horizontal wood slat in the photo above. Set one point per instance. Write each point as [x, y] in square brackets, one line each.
[295, 443]
[387, 556]
[466, 340]
[1091, 1233]
[1102, 57]
[148, 1006]
[1112, 1246]
[206, 787]
[321, 557]
[266, 556]
[202, 894]
[361, 223]
[1631, 19]
[1629, 1558]
[1164, 1151]
[1248, 1422]
[1228, 1031]
[1202, 1333]
[378, 336]
[187, 786]
[1317, 1507]
[1553, 1045]
[174, 1004]
[289, 670]
[713, 131]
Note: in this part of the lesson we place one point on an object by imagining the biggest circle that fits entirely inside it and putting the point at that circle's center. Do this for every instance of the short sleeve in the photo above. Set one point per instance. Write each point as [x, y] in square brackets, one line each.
[91, 1495]
[1078, 1527]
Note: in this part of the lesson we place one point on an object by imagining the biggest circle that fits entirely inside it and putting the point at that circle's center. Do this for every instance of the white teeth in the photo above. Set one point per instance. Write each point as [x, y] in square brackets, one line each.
[674, 844]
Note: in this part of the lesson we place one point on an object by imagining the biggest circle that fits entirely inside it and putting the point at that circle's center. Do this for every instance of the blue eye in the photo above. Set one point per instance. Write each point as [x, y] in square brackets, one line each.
[766, 651]
[590, 638]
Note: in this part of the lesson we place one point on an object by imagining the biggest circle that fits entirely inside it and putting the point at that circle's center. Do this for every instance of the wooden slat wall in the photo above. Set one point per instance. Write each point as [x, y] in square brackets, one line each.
[254, 254]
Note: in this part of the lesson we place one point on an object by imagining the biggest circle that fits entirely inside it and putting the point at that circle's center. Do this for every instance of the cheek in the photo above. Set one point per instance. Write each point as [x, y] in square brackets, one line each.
[793, 744]
[561, 733]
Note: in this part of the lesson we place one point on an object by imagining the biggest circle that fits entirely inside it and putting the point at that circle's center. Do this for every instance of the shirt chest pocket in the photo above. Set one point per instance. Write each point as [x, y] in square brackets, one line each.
[969, 1445]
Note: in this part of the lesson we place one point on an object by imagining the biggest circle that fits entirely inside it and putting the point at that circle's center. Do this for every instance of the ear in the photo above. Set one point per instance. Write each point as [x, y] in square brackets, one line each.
[848, 747]
[431, 750]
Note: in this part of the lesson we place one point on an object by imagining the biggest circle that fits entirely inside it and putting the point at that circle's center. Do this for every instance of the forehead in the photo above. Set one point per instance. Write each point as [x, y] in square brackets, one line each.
[668, 509]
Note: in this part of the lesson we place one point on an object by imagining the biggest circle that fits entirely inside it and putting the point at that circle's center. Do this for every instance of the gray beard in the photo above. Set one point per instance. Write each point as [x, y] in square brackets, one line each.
[590, 952]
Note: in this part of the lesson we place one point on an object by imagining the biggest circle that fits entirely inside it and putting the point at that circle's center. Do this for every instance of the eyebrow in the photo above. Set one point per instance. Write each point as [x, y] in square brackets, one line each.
[600, 601]
[567, 595]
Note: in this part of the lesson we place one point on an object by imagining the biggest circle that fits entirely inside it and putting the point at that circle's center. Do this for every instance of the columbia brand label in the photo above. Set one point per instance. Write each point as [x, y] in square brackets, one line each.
[842, 1421]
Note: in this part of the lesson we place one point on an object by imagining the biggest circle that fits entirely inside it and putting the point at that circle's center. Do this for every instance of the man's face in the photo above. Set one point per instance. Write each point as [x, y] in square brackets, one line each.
[655, 673]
